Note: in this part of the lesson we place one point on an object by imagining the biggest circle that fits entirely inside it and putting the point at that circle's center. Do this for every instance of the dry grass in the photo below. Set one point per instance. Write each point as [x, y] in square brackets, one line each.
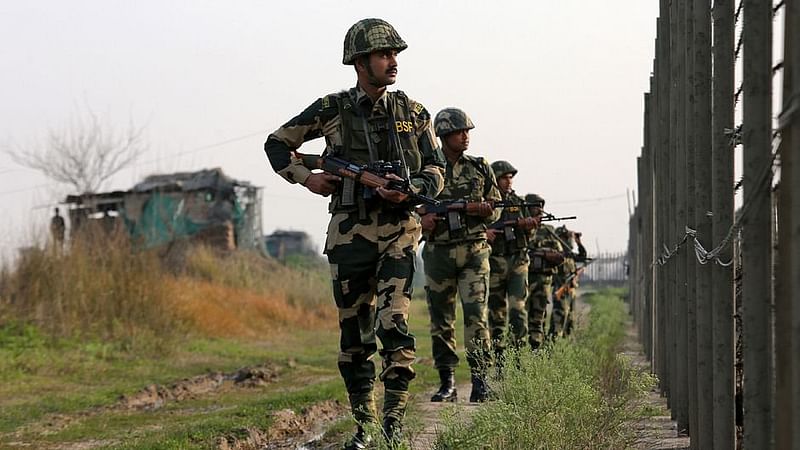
[220, 311]
[105, 289]
[99, 288]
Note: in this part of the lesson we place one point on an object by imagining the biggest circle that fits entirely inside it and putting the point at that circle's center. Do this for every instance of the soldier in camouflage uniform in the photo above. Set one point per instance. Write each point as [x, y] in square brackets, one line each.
[373, 235]
[456, 258]
[546, 255]
[508, 283]
[563, 308]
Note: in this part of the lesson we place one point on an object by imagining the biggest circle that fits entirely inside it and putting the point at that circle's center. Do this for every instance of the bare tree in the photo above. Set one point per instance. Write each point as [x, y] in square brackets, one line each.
[85, 153]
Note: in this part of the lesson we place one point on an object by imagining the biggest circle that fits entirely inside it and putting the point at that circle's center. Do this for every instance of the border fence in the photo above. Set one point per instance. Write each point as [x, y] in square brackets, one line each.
[715, 291]
[606, 268]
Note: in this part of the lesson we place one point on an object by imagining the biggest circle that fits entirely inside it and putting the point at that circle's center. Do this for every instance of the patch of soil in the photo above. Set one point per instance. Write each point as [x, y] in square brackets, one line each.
[289, 429]
[155, 396]
[256, 376]
[656, 432]
[151, 397]
[429, 416]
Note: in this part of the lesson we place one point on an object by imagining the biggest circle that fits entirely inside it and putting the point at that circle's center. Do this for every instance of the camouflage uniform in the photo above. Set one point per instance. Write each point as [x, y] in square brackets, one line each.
[457, 262]
[508, 283]
[540, 280]
[564, 308]
[371, 243]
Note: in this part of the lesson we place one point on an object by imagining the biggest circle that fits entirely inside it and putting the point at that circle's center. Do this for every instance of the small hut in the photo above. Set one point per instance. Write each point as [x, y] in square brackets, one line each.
[205, 206]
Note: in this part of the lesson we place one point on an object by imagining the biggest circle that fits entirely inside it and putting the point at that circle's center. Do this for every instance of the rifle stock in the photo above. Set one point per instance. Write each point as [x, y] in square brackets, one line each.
[569, 283]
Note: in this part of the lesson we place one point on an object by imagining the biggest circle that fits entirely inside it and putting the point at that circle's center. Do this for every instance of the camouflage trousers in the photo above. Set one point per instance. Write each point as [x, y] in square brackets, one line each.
[563, 309]
[508, 290]
[541, 288]
[372, 268]
[462, 269]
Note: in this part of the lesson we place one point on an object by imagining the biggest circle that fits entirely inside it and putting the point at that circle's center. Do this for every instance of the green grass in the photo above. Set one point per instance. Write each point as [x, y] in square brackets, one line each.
[576, 393]
[42, 378]
[54, 391]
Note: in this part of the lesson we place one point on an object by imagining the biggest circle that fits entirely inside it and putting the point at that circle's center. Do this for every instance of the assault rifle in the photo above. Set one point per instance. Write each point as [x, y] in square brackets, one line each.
[547, 217]
[569, 283]
[509, 227]
[371, 175]
[451, 210]
[468, 207]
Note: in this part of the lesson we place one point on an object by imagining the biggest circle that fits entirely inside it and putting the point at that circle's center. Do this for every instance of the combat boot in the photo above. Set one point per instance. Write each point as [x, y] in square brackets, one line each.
[392, 431]
[447, 390]
[360, 441]
[480, 390]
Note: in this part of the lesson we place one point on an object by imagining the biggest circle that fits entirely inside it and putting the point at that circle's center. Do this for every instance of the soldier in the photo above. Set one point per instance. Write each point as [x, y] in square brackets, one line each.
[57, 230]
[373, 235]
[563, 306]
[508, 283]
[546, 255]
[456, 257]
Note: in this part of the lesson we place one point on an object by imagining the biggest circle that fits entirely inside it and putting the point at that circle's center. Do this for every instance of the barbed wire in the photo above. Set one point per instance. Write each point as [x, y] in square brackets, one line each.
[735, 135]
[704, 256]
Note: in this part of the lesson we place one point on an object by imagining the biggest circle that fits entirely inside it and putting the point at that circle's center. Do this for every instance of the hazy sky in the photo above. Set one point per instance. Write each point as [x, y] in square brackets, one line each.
[554, 87]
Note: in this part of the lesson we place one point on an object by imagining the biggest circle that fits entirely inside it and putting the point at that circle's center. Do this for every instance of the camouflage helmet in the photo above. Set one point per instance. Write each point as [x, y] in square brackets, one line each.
[534, 198]
[501, 168]
[449, 120]
[369, 35]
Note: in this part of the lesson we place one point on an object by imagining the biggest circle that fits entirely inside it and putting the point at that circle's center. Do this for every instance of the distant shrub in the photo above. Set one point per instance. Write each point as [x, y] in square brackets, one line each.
[98, 288]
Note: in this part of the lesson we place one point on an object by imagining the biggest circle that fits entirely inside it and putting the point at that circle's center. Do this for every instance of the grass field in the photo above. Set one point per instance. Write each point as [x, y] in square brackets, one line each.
[65, 378]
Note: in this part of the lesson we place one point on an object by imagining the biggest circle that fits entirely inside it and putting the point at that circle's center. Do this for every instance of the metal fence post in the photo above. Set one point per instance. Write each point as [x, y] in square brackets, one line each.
[756, 233]
[724, 430]
[702, 434]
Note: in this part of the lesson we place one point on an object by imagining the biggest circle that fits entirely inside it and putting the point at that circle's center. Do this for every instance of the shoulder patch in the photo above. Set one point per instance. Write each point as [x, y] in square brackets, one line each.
[418, 108]
[326, 101]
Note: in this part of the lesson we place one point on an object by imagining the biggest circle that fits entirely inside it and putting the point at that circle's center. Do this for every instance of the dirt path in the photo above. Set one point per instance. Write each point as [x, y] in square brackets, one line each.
[657, 432]
[429, 414]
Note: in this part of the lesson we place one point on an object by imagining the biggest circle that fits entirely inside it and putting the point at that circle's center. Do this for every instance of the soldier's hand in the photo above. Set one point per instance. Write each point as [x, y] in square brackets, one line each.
[390, 194]
[482, 209]
[429, 222]
[323, 184]
[526, 223]
[490, 234]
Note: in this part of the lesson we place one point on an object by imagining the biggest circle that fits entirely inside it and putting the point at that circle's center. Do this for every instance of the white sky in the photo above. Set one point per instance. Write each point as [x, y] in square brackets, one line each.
[554, 87]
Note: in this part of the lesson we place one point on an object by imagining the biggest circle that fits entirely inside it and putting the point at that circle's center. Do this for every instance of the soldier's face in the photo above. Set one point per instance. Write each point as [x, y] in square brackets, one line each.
[505, 181]
[457, 141]
[382, 68]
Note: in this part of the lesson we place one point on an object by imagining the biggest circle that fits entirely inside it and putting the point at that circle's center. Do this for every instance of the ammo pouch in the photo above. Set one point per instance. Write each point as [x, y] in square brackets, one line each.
[455, 222]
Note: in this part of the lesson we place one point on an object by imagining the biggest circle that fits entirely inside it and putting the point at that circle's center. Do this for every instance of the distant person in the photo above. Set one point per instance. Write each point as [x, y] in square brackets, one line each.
[373, 234]
[547, 254]
[562, 320]
[456, 257]
[508, 283]
[57, 230]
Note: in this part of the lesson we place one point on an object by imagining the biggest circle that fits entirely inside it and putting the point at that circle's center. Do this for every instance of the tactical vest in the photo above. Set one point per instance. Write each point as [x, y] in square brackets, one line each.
[367, 139]
[510, 239]
[472, 189]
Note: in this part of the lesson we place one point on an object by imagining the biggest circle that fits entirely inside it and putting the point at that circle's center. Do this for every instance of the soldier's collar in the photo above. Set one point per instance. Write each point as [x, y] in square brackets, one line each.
[360, 96]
